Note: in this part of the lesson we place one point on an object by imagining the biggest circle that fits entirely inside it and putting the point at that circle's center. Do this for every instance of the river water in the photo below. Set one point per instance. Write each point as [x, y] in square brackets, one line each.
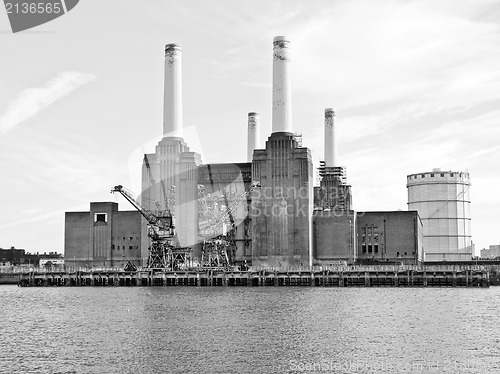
[249, 330]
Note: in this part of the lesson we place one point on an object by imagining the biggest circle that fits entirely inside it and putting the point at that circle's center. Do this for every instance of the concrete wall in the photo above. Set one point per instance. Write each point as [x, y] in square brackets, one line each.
[100, 231]
[389, 236]
[126, 239]
[77, 249]
[333, 236]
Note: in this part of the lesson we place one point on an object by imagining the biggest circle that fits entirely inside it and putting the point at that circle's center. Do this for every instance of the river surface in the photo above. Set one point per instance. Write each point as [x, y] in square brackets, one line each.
[249, 330]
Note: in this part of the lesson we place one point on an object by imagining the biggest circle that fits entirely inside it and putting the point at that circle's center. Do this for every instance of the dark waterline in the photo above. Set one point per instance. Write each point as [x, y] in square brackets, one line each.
[249, 330]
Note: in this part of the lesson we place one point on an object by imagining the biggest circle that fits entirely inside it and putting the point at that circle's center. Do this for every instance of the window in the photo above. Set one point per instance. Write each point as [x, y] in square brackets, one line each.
[432, 175]
[129, 247]
[375, 248]
[113, 246]
[130, 238]
[100, 217]
[363, 248]
[423, 175]
[442, 175]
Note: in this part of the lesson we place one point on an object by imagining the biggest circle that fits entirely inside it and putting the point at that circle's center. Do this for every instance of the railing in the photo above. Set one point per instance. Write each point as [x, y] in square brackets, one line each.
[380, 268]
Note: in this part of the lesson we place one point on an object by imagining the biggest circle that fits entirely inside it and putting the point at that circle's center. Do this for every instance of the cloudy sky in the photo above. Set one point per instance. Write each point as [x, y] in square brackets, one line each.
[415, 86]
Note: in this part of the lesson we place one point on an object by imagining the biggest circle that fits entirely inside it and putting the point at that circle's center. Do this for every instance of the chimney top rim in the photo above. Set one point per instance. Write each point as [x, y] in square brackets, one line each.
[281, 38]
[170, 46]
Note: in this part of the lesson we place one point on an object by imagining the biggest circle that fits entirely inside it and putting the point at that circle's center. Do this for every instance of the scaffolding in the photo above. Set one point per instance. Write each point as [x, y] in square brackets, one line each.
[217, 225]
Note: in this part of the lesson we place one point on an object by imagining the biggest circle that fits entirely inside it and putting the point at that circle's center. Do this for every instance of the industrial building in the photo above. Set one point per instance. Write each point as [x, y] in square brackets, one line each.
[390, 236]
[442, 199]
[103, 237]
[263, 212]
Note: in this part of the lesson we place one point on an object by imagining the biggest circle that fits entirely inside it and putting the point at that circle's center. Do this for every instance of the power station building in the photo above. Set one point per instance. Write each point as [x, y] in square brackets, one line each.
[268, 206]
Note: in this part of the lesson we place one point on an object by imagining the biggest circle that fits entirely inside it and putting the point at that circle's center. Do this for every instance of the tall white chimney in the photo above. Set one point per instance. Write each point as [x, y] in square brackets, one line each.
[282, 95]
[172, 102]
[330, 146]
[253, 134]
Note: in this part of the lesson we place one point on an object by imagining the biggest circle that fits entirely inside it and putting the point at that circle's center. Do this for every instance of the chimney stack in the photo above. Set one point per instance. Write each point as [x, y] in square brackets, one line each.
[172, 102]
[282, 98]
[330, 146]
[253, 134]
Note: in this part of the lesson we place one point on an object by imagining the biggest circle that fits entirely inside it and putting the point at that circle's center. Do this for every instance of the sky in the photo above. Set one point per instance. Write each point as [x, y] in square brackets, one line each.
[415, 86]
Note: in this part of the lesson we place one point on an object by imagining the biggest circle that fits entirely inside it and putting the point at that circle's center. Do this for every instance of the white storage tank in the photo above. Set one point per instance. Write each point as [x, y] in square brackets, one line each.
[443, 202]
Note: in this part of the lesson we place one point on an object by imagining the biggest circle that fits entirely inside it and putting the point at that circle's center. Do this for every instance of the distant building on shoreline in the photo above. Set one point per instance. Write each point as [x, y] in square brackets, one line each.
[19, 257]
[492, 252]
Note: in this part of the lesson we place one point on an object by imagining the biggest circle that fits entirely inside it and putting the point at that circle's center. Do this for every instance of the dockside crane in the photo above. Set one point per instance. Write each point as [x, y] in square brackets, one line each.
[164, 252]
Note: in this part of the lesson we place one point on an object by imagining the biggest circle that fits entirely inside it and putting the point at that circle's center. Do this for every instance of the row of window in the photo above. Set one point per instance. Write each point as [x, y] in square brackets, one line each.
[374, 249]
[442, 175]
[124, 238]
[406, 254]
[369, 230]
[369, 248]
[124, 247]
[369, 234]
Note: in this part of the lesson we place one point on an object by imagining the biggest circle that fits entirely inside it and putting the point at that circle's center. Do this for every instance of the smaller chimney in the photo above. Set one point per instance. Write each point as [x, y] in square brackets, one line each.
[253, 134]
[330, 146]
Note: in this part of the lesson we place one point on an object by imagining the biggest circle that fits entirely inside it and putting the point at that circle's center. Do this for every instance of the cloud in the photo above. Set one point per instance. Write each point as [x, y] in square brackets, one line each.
[33, 100]
[406, 51]
[29, 212]
[33, 218]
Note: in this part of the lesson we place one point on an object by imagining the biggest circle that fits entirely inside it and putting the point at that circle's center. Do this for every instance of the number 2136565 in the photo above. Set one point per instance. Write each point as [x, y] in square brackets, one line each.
[33, 8]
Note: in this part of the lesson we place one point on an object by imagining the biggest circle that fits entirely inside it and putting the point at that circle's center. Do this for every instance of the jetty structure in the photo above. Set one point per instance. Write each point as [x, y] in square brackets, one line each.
[375, 276]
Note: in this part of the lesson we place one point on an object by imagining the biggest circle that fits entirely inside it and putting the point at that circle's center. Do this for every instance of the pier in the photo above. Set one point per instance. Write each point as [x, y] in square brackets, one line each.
[388, 276]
